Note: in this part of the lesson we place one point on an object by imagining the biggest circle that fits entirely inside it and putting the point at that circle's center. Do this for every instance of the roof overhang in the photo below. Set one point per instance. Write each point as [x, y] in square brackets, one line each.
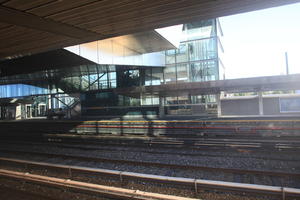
[43, 61]
[126, 45]
[29, 27]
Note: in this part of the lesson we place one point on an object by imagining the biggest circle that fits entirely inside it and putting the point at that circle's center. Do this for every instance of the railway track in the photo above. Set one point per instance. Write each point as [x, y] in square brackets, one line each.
[257, 143]
[14, 194]
[145, 149]
[278, 178]
[104, 192]
[267, 136]
[71, 174]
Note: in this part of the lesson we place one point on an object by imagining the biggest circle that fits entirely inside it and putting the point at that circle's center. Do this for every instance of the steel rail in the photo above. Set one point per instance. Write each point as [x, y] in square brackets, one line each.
[106, 191]
[222, 185]
[225, 140]
[189, 143]
[153, 152]
[70, 145]
[161, 165]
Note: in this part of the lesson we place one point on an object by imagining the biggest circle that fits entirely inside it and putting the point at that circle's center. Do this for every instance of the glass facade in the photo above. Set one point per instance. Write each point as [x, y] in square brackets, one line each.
[21, 90]
[79, 79]
[195, 60]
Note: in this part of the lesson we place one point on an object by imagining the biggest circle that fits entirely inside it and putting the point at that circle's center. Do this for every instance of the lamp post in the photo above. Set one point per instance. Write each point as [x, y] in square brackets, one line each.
[287, 63]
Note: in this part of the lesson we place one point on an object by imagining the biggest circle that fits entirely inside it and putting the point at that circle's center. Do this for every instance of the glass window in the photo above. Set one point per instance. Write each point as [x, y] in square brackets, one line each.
[201, 99]
[183, 99]
[112, 76]
[171, 100]
[170, 52]
[19, 90]
[211, 98]
[202, 49]
[93, 82]
[103, 83]
[170, 74]
[203, 71]
[199, 30]
[182, 73]
[135, 101]
[182, 53]
[148, 76]
[198, 99]
[155, 99]
[146, 99]
[128, 78]
[157, 76]
[84, 83]
[170, 56]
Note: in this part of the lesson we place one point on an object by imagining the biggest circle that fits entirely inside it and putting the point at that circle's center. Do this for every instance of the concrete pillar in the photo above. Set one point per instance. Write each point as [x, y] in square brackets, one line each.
[218, 99]
[18, 112]
[260, 103]
[52, 97]
[161, 107]
[206, 105]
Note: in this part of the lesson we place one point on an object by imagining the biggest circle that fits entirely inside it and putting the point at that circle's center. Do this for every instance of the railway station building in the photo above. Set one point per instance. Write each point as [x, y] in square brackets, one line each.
[139, 105]
[89, 80]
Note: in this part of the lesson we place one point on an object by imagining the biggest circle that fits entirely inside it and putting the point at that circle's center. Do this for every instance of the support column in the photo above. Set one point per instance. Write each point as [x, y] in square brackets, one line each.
[206, 106]
[161, 107]
[218, 99]
[260, 103]
[52, 97]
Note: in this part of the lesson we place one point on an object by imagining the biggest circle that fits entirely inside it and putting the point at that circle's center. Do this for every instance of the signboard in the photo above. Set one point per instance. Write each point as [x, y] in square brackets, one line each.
[289, 104]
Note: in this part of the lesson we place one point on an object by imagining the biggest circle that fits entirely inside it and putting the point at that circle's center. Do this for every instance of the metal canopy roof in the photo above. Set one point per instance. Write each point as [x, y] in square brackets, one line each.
[28, 27]
[55, 59]
[15, 101]
[264, 83]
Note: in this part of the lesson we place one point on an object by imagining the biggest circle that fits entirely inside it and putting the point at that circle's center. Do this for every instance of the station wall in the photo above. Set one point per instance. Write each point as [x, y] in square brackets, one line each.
[286, 105]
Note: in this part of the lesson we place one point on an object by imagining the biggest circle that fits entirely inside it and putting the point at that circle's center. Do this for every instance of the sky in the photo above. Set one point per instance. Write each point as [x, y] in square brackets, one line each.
[255, 42]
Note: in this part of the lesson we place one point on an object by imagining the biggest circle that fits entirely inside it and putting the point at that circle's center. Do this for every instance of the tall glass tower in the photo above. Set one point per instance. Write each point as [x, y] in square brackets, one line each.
[197, 59]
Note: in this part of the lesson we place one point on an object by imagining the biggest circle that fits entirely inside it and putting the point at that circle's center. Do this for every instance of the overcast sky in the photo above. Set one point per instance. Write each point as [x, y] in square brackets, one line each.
[255, 42]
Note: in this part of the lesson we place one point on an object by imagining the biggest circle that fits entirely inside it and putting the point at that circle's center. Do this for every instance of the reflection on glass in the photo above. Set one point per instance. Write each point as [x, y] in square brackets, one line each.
[182, 73]
[148, 76]
[170, 74]
[171, 100]
[19, 90]
[204, 71]
[199, 30]
[202, 49]
[157, 76]
[170, 56]
[182, 53]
